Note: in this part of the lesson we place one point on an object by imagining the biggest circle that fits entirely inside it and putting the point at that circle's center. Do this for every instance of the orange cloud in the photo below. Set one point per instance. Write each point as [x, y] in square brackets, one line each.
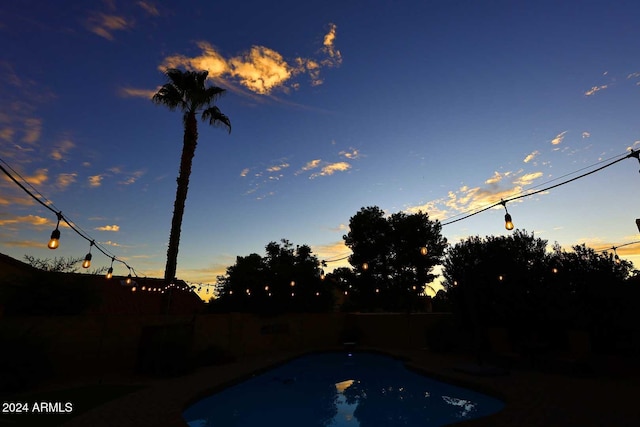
[32, 130]
[313, 164]
[95, 180]
[38, 178]
[149, 7]
[66, 179]
[595, 89]
[431, 208]
[104, 25]
[559, 138]
[260, 69]
[332, 168]
[531, 156]
[527, 179]
[108, 228]
[33, 220]
[278, 168]
[352, 154]
[496, 178]
[61, 149]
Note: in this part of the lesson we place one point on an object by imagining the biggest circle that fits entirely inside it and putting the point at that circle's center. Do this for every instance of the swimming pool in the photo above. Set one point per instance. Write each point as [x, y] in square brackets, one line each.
[340, 389]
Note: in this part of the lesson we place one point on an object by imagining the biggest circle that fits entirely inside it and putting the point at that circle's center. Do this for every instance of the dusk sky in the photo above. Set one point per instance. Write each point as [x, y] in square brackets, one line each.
[444, 106]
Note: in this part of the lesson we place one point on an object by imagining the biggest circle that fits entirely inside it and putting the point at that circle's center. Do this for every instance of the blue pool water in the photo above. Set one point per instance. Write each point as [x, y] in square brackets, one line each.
[340, 389]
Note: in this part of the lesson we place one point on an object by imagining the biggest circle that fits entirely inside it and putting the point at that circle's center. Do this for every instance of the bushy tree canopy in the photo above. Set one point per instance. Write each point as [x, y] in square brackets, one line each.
[514, 281]
[393, 257]
[285, 279]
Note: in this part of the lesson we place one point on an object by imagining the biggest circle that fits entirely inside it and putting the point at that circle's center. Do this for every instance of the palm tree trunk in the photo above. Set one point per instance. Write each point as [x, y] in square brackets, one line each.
[190, 141]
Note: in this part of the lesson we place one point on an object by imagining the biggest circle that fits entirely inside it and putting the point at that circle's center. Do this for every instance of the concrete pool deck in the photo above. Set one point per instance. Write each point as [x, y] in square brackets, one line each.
[532, 398]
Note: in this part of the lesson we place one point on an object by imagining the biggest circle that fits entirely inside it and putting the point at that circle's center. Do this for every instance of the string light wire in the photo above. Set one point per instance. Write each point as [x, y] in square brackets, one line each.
[50, 206]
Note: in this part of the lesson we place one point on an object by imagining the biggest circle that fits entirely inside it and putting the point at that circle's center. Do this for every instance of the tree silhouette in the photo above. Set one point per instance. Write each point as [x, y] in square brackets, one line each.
[186, 91]
[286, 279]
[394, 257]
[512, 282]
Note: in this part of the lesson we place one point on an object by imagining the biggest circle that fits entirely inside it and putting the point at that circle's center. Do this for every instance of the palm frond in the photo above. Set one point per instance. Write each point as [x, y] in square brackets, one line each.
[216, 118]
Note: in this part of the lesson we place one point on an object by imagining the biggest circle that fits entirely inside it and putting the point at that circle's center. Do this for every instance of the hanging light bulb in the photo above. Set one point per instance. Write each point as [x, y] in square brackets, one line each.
[508, 223]
[423, 250]
[128, 280]
[365, 266]
[110, 270]
[87, 259]
[616, 258]
[54, 241]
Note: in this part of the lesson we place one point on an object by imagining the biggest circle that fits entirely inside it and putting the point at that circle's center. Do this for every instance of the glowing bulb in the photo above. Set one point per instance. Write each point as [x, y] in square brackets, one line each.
[508, 224]
[365, 266]
[87, 261]
[133, 289]
[110, 273]
[128, 281]
[55, 239]
[293, 283]
[554, 270]
[423, 250]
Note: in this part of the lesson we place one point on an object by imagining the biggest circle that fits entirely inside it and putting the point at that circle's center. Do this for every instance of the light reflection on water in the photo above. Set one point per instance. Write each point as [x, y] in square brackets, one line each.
[340, 390]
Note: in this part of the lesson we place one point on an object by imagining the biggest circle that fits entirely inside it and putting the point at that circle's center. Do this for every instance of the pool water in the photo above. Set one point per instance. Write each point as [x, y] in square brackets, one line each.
[340, 389]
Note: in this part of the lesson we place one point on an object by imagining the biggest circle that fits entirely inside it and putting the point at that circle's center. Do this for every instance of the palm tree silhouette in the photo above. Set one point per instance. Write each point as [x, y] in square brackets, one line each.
[186, 90]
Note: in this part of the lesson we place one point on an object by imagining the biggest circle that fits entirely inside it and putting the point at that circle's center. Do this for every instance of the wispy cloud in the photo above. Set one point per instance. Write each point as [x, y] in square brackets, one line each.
[244, 172]
[531, 156]
[132, 177]
[61, 149]
[33, 220]
[585, 135]
[23, 243]
[313, 164]
[527, 179]
[496, 178]
[137, 93]
[39, 177]
[66, 179]
[105, 25]
[149, 7]
[95, 180]
[595, 89]
[32, 130]
[332, 168]
[433, 208]
[259, 69]
[465, 199]
[108, 228]
[277, 168]
[351, 154]
[559, 138]
[332, 251]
